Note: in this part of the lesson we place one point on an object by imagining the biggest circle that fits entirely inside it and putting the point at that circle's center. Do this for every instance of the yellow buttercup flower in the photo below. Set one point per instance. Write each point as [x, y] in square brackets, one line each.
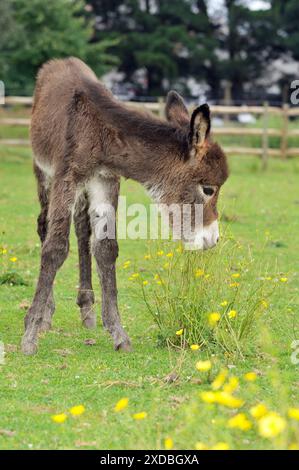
[236, 275]
[59, 418]
[220, 379]
[224, 303]
[226, 399]
[232, 314]
[271, 425]
[140, 416]
[135, 275]
[258, 411]
[145, 283]
[250, 376]
[214, 318]
[194, 347]
[121, 404]
[283, 279]
[200, 446]
[293, 413]
[126, 264]
[13, 259]
[4, 251]
[234, 284]
[169, 255]
[264, 304]
[160, 253]
[208, 397]
[77, 410]
[179, 332]
[199, 272]
[203, 366]
[147, 256]
[239, 421]
[220, 446]
[168, 443]
[232, 385]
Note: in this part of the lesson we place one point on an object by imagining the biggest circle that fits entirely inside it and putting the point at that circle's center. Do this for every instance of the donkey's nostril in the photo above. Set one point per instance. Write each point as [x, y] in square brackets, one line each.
[217, 239]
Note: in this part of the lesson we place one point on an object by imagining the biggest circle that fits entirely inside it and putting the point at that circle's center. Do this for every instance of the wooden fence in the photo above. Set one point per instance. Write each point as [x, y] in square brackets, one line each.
[264, 152]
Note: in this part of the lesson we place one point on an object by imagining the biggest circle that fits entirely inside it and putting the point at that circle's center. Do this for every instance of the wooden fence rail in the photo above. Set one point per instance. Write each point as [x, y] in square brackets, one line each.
[284, 133]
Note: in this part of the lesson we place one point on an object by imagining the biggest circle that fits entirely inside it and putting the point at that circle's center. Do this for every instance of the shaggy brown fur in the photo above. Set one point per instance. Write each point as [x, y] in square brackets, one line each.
[83, 141]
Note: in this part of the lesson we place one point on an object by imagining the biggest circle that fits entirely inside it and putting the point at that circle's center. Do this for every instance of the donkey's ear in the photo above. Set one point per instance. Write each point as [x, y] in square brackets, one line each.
[200, 125]
[175, 109]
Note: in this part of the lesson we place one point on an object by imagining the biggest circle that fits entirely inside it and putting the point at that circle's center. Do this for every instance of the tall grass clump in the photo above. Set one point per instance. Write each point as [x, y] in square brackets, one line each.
[212, 299]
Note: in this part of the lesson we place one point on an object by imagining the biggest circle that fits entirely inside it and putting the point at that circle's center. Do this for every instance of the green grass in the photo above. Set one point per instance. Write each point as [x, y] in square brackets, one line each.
[260, 211]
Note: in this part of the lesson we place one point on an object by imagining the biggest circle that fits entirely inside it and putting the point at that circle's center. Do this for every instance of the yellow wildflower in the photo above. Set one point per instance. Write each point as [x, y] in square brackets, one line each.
[234, 284]
[236, 275]
[200, 446]
[160, 253]
[59, 418]
[250, 376]
[199, 272]
[13, 259]
[145, 283]
[226, 399]
[268, 278]
[232, 385]
[169, 255]
[168, 443]
[77, 410]
[214, 318]
[224, 303]
[293, 413]
[194, 347]
[258, 411]
[220, 379]
[283, 279]
[271, 425]
[126, 264]
[147, 256]
[232, 314]
[140, 416]
[135, 275]
[220, 446]
[179, 332]
[208, 397]
[239, 421]
[203, 366]
[264, 304]
[4, 251]
[121, 404]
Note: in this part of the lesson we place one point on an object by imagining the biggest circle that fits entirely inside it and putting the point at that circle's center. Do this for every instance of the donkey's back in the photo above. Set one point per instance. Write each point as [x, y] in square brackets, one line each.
[56, 83]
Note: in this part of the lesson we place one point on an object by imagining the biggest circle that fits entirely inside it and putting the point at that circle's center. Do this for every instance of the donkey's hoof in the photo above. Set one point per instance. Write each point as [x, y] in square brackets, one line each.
[124, 345]
[89, 318]
[90, 323]
[28, 347]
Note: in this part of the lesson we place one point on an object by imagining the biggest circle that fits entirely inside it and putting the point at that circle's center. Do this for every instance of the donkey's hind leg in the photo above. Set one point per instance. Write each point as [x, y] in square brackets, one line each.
[43, 189]
[85, 298]
[54, 252]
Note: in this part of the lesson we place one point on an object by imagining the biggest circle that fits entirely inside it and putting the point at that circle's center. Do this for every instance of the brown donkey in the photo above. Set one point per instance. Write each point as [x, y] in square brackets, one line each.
[83, 141]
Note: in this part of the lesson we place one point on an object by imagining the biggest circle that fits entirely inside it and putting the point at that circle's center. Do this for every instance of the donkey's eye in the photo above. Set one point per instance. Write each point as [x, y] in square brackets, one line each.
[208, 191]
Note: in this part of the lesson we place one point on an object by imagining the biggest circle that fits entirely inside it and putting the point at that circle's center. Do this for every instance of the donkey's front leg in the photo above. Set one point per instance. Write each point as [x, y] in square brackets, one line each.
[54, 252]
[106, 252]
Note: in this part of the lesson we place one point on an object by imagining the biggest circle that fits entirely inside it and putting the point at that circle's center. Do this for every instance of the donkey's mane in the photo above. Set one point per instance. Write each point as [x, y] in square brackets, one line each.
[132, 122]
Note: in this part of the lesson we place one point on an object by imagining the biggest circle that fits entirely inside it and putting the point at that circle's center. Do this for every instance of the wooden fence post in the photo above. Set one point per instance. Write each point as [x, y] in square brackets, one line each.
[284, 131]
[265, 139]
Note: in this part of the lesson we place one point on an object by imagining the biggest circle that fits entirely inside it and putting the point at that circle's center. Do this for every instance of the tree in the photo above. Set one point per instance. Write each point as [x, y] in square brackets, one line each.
[49, 30]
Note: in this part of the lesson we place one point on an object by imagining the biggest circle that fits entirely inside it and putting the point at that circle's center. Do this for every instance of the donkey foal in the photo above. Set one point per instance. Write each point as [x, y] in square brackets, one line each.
[83, 141]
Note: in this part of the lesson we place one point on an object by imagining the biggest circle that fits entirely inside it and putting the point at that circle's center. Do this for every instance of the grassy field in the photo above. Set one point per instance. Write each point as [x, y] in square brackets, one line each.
[260, 213]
